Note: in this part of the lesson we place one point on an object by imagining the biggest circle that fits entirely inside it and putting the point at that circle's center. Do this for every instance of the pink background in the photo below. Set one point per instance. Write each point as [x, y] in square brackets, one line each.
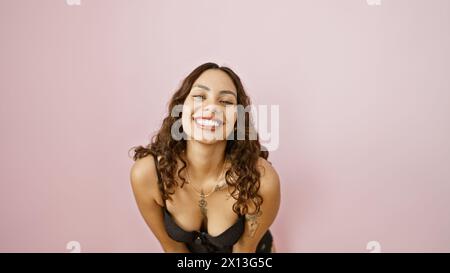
[364, 96]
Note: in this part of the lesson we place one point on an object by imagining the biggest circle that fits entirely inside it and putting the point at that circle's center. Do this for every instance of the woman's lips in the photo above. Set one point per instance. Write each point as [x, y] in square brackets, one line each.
[208, 123]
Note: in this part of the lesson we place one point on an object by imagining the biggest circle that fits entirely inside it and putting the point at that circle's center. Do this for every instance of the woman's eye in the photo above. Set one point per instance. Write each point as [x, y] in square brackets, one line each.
[226, 102]
[198, 97]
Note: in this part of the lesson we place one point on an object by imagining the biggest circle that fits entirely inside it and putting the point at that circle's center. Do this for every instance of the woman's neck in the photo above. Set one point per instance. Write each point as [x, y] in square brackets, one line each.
[204, 161]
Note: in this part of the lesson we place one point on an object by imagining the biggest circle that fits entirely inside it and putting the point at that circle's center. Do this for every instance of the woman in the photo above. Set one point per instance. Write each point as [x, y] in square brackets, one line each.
[204, 184]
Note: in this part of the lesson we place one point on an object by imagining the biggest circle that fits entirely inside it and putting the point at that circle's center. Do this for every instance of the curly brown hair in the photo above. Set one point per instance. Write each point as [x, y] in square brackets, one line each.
[243, 175]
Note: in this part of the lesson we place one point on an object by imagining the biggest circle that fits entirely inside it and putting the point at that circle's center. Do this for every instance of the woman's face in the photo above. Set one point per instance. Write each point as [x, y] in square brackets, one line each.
[209, 111]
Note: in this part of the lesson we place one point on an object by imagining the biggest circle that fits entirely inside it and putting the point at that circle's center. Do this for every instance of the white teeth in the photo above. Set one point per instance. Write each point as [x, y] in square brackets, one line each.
[207, 122]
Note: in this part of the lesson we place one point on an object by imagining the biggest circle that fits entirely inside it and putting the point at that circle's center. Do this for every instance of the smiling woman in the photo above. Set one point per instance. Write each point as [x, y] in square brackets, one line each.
[232, 195]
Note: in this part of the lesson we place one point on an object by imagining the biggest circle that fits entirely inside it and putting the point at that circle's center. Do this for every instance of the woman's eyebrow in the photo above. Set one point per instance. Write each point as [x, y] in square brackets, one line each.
[201, 86]
[228, 92]
[220, 92]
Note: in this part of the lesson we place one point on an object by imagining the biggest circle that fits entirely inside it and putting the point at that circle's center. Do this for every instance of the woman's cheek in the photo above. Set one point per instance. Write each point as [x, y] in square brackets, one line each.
[230, 123]
[187, 119]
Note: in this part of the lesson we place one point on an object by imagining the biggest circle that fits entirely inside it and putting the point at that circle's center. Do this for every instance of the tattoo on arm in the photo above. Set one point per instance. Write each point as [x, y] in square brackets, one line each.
[252, 220]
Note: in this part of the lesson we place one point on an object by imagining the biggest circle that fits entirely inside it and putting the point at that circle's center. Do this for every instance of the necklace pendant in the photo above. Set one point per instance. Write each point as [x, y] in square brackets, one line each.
[202, 203]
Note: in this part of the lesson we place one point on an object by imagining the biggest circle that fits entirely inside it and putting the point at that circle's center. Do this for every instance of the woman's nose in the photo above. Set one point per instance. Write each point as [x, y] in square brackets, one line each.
[213, 108]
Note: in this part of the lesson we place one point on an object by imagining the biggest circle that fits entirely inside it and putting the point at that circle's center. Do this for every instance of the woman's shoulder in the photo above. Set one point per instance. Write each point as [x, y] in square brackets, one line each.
[143, 169]
[270, 181]
[144, 178]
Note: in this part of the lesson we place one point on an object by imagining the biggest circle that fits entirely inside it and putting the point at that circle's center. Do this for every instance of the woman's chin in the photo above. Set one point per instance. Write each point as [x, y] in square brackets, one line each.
[207, 139]
[206, 136]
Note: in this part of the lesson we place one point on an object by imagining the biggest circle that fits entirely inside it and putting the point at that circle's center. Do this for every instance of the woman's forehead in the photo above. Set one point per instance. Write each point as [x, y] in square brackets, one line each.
[214, 80]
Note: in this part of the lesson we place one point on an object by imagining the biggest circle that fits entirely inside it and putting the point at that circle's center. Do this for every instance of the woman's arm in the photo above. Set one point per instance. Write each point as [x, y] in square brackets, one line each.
[256, 225]
[145, 188]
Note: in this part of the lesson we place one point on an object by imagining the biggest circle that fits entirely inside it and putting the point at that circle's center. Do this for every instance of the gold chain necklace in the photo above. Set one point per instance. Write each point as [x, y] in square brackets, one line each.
[202, 202]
